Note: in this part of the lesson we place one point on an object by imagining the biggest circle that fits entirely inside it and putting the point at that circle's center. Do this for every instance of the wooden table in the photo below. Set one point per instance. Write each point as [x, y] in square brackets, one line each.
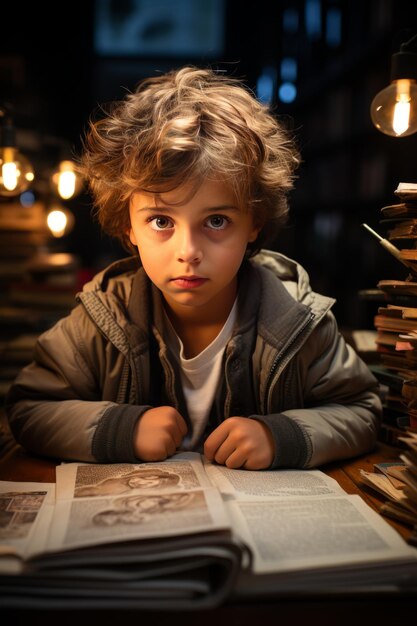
[17, 464]
[347, 474]
[353, 609]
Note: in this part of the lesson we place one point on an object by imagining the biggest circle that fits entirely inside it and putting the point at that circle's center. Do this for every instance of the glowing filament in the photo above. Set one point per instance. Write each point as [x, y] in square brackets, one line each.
[66, 184]
[10, 175]
[57, 223]
[9, 170]
[401, 117]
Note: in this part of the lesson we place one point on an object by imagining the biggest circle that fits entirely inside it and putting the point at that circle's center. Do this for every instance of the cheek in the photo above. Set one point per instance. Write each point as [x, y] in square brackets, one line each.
[151, 263]
[230, 256]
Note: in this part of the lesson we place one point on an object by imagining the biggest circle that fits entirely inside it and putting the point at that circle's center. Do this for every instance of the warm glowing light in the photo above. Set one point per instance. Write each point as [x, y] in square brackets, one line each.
[394, 109]
[15, 172]
[57, 222]
[401, 117]
[66, 180]
[9, 173]
[66, 185]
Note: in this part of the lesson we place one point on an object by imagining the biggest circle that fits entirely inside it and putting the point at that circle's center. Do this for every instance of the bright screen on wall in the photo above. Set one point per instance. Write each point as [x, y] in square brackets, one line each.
[162, 28]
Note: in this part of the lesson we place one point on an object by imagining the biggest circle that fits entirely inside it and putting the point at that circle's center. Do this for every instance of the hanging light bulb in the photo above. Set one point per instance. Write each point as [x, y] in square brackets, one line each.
[394, 109]
[66, 182]
[16, 173]
[59, 220]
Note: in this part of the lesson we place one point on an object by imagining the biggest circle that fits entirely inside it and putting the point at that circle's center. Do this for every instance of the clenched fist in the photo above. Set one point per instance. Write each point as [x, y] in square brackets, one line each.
[158, 433]
[240, 442]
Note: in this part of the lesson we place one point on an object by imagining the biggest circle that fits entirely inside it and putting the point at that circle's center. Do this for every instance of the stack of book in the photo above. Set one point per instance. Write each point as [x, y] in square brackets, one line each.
[396, 320]
[409, 458]
[31, 303]
[398, 482]
[37, 287]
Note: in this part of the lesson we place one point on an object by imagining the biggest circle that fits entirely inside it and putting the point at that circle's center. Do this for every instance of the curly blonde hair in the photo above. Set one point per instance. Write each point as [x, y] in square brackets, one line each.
[188, 125]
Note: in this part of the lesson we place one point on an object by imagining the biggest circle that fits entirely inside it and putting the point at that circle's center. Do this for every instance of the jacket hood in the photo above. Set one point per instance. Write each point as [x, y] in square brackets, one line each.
[111, 289]
[112, 286]
[295, 279]
[115, 278]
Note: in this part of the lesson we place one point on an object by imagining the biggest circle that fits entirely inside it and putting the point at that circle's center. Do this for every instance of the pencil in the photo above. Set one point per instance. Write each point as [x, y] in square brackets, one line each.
[389, 247]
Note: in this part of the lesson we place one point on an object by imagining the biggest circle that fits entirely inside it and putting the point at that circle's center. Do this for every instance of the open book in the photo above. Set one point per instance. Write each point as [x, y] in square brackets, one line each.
[185, 533]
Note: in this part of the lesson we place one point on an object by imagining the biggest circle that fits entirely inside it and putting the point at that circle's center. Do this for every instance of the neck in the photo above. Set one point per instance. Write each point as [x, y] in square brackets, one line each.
[197, 327]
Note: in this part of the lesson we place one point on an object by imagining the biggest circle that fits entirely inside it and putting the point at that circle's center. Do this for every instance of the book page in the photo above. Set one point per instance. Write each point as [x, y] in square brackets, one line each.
[181, 472]
[25, 515]
[246, 483]
[99, 520]
[393, 470]
[289, 534]
[383, 485]
[102, 503]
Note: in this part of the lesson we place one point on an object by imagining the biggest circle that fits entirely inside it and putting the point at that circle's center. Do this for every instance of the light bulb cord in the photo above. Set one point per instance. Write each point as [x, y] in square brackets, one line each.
[404, 62]
[7, 129]
[410, 45]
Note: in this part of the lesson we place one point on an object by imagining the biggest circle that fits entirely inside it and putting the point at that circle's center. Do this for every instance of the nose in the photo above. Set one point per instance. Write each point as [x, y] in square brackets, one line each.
[189, 248]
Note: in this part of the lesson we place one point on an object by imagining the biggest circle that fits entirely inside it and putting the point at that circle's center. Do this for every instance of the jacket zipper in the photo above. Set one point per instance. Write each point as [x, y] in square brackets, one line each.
[289, 351]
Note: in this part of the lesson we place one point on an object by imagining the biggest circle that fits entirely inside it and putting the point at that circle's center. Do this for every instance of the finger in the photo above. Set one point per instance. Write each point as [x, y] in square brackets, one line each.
[175, 427]
[254, 463]
[227, 448]
[215, 440]
[182, 425]
[236, 460]
[170, 446]
[176, 437]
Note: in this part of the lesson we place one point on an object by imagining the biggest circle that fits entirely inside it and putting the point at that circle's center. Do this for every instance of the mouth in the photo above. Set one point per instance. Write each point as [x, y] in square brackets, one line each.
[188, 282]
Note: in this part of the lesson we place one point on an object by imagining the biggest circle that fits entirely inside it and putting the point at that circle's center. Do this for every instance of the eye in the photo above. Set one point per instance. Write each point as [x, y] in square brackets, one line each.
[159, 222]
[217, 222]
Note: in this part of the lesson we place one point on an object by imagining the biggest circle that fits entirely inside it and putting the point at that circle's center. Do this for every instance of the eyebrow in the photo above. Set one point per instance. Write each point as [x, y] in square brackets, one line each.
[163, 209]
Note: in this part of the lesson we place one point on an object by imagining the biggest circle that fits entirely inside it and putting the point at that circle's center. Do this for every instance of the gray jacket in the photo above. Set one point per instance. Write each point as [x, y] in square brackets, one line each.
[286, 364]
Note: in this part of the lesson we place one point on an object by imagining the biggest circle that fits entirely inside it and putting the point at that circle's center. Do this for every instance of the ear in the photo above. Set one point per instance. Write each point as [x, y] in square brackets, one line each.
[257, 224]
[254, 234]
[132, 237]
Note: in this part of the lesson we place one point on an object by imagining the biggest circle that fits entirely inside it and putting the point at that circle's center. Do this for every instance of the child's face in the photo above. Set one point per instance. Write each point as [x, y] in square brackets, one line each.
[192, 250]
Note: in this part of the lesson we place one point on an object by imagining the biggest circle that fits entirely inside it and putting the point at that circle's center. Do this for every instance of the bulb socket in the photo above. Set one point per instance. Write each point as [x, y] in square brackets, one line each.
[404, 65]
[7, 135]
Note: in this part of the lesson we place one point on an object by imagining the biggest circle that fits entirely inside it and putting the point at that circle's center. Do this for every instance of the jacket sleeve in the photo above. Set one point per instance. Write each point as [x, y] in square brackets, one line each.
[56, 406]
[340, 411]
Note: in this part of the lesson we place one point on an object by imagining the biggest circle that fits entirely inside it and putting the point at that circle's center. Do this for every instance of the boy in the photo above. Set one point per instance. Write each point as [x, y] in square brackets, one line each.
[191, 344]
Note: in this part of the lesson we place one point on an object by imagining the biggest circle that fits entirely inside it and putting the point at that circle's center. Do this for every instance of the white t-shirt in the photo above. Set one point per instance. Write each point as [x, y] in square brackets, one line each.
[200, 375]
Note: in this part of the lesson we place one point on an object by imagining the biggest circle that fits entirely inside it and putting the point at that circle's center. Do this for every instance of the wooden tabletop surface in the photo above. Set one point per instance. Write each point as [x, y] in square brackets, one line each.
[19, 465]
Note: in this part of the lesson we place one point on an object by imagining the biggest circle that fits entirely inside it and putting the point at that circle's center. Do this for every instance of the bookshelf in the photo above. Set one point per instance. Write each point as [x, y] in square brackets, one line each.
[349, 169]
[37, 286]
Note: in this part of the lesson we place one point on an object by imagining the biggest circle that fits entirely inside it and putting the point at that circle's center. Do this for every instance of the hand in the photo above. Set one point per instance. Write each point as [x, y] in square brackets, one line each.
[158, 433]
[240, 442]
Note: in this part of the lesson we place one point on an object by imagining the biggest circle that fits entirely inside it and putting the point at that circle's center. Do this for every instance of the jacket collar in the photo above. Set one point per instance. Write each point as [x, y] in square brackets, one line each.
[272, 288]
[123, 266]
[145, 301]
[278, 294]
[287, 301]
